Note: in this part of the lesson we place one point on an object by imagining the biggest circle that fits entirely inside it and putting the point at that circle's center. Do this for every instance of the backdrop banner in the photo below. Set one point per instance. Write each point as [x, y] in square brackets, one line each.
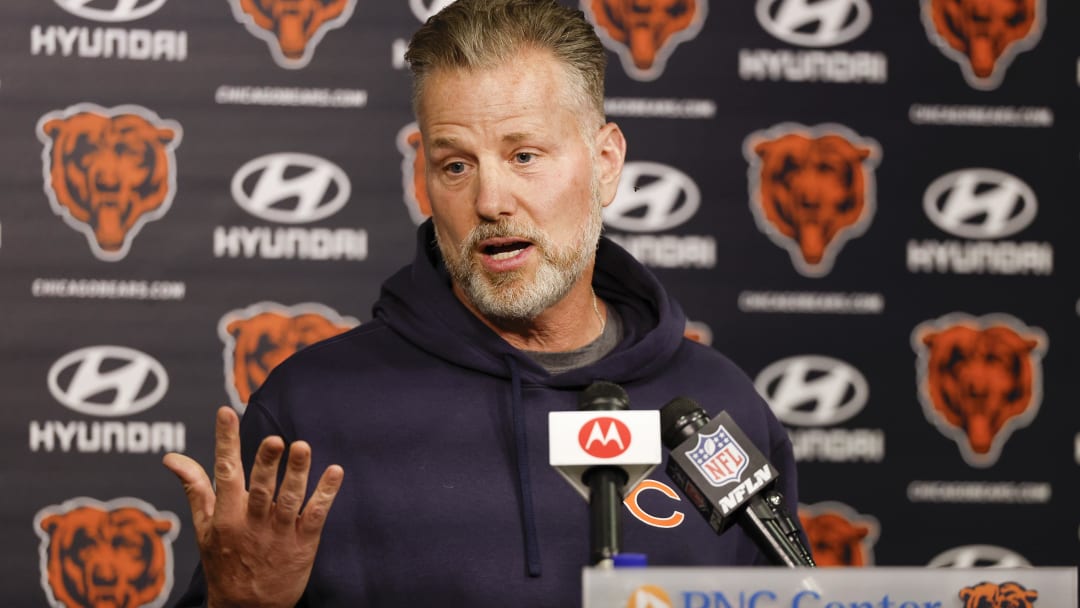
[867, 204]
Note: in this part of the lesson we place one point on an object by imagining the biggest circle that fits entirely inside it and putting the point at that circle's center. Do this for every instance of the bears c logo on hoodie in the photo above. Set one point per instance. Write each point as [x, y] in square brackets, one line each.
[984, 36]
[979, 379]
[292, 28]
[645, 32]
[811, 189]
[263, 335]
[108, 171]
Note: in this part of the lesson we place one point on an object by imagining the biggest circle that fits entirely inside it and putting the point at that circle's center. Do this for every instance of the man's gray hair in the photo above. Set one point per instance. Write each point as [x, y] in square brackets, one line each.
[479, 34]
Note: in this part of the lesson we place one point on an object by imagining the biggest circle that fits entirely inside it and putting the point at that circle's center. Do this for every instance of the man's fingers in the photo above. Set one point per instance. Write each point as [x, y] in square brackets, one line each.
[197, 487]
[264, 477]
[314, 516]
[228, 470]
[294, 486]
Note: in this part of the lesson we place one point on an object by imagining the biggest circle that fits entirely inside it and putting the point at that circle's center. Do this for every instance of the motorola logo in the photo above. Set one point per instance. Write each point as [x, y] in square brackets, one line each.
[979, 556]
[813, 390]
[980, 203]
[111, 11]
[652, 197]
[108, 381]
[604, 437]
[814, 23]
[291, 188]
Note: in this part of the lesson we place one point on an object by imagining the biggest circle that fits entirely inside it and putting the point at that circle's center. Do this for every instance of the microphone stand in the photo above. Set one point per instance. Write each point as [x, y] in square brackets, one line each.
[766, 521]
[605, 493]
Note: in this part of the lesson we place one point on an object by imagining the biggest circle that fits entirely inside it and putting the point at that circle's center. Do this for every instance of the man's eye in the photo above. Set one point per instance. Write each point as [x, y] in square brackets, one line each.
[524, 157]
[455, 168]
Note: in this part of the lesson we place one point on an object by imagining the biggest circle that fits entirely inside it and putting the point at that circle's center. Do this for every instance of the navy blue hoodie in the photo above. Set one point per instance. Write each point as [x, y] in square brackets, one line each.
[441, 427]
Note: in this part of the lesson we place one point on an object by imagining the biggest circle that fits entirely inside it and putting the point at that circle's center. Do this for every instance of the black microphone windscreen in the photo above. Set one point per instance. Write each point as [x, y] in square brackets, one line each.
[603, 396]
[679, 419]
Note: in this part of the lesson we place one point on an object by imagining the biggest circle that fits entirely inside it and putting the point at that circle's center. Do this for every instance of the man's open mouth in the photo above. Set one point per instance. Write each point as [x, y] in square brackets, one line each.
[501, 249]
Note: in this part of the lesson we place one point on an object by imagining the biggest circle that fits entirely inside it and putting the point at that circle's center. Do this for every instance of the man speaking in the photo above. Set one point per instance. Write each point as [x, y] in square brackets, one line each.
[429, 423]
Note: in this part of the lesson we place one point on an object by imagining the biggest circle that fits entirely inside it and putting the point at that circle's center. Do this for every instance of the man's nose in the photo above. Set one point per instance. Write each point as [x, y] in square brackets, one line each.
[494, 194]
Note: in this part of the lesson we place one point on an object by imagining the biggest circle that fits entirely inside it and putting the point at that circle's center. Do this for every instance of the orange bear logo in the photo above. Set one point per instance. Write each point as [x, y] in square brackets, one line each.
[109, 171]
[699, 332]
[811, 190]
[1005, 595]
[645, 32]
[838, 535]
[980, 379]
[113, 554]
[413, 162]
[984, 36]
[263, 335]
[292, 28]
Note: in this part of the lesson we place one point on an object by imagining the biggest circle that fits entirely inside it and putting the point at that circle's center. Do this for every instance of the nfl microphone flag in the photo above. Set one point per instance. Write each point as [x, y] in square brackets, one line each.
[719, 455]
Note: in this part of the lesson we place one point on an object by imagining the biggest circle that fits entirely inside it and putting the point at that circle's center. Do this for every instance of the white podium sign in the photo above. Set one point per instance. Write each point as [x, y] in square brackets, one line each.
[885, 587]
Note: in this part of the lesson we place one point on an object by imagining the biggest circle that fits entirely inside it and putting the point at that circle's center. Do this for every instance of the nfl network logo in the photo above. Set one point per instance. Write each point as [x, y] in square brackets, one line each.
[719, 458]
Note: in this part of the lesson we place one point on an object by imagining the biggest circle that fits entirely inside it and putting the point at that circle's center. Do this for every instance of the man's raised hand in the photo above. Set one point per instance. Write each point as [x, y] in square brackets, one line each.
[255, 550]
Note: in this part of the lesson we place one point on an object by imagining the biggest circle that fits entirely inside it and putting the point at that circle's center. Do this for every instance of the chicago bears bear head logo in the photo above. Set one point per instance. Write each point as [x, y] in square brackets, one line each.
[1005, 595]
[645, 32]
[979, 380]
[811, 190]
[261, 336]
[292, 28]
[109, 171]
[984, 36]
[838, 535]
[410, 145]
[114, 554]
[699, 332]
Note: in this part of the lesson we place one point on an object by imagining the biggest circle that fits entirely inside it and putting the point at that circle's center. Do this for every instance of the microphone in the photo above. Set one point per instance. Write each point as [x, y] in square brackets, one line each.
[728, 480]
[603, 450]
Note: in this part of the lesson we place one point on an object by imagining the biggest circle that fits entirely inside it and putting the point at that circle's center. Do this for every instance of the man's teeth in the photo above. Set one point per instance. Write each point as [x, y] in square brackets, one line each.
[506, 251]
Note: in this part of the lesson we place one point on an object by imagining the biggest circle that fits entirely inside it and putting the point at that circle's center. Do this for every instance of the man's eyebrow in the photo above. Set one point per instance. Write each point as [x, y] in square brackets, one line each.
[448, 141]
[516, 137]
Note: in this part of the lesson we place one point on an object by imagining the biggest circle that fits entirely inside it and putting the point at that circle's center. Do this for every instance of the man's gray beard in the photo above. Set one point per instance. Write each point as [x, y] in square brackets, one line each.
[509, 295]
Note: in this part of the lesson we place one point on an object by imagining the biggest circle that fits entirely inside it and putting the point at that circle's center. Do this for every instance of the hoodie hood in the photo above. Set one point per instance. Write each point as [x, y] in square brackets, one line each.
[418, 304]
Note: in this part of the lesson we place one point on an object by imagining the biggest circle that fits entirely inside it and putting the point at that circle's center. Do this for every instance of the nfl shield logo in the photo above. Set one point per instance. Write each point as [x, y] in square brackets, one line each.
[718, 457]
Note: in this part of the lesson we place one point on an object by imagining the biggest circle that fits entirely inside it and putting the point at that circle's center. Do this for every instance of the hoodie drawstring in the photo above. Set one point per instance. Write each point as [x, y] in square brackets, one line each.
[528, 515]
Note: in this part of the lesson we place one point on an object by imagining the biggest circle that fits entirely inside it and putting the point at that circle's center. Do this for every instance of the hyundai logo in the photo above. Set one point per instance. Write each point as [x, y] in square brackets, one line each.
[108, 381]
[979, 556]
[424, 9]
[820, 23]
[813, 390]
[291, 188]
[652, 197]
[980, 203]
[121, 10]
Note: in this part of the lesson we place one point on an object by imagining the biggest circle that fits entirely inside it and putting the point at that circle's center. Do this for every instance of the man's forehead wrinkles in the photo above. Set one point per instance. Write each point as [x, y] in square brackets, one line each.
[516, 136]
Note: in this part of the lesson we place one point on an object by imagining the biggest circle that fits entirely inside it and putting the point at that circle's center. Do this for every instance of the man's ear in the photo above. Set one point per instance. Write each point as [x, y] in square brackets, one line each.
[610, 156]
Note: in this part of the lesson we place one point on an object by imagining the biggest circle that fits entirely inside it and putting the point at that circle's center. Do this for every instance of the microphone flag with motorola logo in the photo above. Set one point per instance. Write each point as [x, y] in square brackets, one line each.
[581, 440]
